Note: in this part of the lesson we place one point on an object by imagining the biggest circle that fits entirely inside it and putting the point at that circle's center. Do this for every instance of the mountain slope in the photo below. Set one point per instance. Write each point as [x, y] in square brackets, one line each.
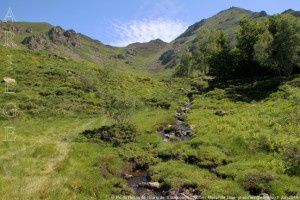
[226, 21]
[79, 47]
[66, 43]
[50, 84]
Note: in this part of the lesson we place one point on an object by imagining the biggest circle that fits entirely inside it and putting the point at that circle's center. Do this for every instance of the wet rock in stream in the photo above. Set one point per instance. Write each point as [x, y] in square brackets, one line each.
[140, 185]
[180, 130]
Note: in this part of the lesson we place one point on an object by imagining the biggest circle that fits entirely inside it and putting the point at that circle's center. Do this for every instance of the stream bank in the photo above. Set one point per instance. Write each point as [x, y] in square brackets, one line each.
[180, 130]
[140, 182]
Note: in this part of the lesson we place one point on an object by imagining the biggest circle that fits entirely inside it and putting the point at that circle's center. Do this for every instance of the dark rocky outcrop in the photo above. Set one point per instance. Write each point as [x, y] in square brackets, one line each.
[58, 36]
[169, 58]
[259, 14]
[121, 56]
[292, 12]
[55, 35]
[72, 37]
[129, 54]
[36, 42]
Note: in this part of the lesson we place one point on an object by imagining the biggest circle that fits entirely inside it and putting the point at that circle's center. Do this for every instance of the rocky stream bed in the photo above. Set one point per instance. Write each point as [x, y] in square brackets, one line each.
[139, 181]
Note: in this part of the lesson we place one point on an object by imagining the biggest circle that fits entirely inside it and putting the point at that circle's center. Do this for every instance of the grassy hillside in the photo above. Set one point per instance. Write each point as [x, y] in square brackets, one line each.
[49, 84]
[68, 43]
[65, 43]
[56, 99]
[89, 119]
[252, 149]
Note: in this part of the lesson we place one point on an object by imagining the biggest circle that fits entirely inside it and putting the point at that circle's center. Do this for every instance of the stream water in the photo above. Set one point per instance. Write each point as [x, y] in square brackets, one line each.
[139, 178]
[136, 183]
[183, 132]
[181, 129]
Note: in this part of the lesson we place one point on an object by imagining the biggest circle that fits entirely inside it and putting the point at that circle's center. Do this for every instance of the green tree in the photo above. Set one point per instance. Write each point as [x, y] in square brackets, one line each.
[185, 68]
[262, 49]
[205, 45]
[279, 46]
[249, 33]
[221, 61]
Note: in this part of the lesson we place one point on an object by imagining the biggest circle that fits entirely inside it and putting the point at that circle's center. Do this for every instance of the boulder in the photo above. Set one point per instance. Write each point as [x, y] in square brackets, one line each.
[265, 196]
[127, 176]
[9, 80]
[192, 127]
[28, 30]
[154, 185]
[150, 185]
[131, 52]
[120, 56]
[208, 78]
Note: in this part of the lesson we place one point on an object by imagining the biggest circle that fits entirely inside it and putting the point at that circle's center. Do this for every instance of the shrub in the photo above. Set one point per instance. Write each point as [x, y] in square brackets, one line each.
[256, 182]
[206, 157]
[119, 108]
[116, 134]
[158, 103]
[291, 157]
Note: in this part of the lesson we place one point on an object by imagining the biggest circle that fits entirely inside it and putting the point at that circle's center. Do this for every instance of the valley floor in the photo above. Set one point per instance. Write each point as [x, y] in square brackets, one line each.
[244, 144]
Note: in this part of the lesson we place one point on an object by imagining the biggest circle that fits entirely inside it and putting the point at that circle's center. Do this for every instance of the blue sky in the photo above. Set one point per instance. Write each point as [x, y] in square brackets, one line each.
[119, 22]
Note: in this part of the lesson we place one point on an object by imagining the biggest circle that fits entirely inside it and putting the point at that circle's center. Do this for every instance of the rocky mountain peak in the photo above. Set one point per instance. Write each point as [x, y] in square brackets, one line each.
[292, 12]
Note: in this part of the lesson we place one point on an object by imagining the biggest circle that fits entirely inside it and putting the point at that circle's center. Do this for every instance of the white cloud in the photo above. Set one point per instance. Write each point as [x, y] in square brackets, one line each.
[146, 30]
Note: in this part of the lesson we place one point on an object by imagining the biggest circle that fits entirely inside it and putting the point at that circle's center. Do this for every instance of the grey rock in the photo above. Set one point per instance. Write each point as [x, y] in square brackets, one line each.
[168, 56]
[131, 52]
[120, 56]
[150, 185]
[36, 42]
[28, 30]
[265, 196]
[127, 176]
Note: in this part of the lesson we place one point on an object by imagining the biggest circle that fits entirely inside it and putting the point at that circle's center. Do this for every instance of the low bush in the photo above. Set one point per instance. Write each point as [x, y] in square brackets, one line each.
[154, 102]
[117, 134]
[205, 157]
[291, 157]
[257, 182]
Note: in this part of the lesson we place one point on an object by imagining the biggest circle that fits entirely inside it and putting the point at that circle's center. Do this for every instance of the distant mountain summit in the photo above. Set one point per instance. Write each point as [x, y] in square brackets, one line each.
[292, 12]
[147, 47]
[153, 54]
[227, 21]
